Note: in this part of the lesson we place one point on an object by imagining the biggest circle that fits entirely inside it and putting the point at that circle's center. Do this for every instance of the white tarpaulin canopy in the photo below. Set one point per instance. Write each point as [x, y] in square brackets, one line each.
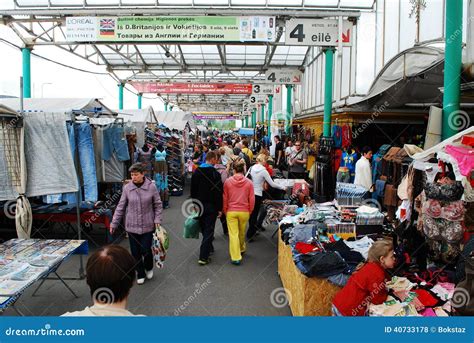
[176, 119]
[6, 110]
[57, 105]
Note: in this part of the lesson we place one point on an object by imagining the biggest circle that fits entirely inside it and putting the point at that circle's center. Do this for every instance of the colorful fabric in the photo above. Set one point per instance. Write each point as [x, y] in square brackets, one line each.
[464, 156]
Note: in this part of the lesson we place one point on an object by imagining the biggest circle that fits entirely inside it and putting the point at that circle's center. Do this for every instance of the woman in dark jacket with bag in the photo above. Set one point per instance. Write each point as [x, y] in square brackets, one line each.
[141, 206]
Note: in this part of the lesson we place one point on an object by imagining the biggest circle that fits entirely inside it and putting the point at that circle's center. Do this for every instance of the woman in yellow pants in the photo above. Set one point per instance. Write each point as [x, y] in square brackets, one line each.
[239, 201]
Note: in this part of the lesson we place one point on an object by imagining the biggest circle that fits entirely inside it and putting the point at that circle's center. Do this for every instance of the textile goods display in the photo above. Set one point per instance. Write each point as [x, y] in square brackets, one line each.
[309, 296]
[10, 177]
[13, 172]
[47, 148]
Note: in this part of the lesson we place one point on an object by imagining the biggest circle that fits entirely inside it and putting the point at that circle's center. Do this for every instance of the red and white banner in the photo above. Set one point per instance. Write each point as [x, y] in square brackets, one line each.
[192, 88]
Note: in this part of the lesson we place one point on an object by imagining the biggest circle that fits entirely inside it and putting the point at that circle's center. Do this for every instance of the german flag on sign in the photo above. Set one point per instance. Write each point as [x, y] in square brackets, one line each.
[107, 27]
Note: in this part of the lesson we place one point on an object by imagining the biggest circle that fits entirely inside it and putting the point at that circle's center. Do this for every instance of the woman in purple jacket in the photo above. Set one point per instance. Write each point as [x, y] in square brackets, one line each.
[141, 206]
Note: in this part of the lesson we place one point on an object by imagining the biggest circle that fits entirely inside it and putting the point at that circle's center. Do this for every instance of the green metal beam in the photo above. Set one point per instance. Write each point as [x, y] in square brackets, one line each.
[289, 89]
[452, 68]
[329, 53]
[270, 112]
[26, 58]
[120, 86]
[139, 101]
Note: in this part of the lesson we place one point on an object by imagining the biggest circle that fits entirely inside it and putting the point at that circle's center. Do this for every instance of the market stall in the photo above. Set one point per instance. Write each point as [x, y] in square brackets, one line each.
[426, 211]
[26, 261]
[59, 138]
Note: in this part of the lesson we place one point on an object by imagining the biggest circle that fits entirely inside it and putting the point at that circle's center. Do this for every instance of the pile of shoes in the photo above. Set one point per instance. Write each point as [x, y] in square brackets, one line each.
[175, 160]
[172, 140]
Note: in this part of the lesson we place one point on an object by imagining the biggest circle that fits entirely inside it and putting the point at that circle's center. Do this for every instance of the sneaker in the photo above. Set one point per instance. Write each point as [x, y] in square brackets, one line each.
[204, 262]
[236, 263]
[149, 274]
[140, 281]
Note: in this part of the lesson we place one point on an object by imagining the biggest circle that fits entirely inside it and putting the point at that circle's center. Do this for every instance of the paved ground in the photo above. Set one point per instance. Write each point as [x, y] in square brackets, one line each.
[183, 287]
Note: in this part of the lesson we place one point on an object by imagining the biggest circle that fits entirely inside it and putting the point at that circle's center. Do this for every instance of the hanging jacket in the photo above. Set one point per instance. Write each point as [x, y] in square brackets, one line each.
[337, 135]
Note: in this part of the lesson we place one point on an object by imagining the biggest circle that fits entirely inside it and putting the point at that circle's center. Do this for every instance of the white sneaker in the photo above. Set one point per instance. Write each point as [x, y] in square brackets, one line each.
[149, 274]
[140, 281]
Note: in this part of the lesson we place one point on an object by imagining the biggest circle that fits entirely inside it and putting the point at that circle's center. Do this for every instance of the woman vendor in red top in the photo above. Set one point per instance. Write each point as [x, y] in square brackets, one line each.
[367, 285]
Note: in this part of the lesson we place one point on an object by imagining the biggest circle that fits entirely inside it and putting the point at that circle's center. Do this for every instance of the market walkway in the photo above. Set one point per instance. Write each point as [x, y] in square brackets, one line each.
[182, 287]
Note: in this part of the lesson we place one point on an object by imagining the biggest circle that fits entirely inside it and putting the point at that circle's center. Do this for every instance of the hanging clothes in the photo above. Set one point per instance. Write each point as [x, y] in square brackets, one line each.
[337, 136]
[346, 136]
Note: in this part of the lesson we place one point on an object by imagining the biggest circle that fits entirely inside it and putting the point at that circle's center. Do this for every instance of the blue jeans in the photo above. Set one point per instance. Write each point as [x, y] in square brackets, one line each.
[114, 141]
[82, 134]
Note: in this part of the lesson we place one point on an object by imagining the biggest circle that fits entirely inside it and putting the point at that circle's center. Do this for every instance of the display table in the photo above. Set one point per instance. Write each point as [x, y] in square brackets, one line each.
[307, 296]
[25, 261]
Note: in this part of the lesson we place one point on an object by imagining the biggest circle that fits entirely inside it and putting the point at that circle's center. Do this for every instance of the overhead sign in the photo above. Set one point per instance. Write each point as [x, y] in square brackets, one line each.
[165, 29]
[266, 89]
[216, 117]
[277, 99]
[192, 88]
[317, 32]
[257, 99]
[283, 76]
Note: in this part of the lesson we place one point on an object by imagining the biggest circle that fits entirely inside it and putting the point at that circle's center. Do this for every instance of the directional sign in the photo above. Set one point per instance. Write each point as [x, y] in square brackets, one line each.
[192, 88]
[257, 99]
[317, 32]
[266, 89]
[283, 76]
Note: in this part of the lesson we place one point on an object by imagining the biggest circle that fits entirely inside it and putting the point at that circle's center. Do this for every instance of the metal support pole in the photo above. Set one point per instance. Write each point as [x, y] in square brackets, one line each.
[263, 114]
[26, 58]
[270, 112]
[166, 107]
[452, 68]
[139, 101]
[120, 86]
[289, 89]
[254, 117]
[329, 53]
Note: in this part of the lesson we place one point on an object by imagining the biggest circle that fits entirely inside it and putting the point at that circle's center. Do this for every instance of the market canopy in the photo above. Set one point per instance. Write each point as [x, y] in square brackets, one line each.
[6, 110]
[176, 119]
[180, 40]
[57, 105]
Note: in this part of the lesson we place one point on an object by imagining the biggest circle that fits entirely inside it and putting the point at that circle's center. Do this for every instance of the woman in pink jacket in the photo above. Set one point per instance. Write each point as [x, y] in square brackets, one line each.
[239, 200]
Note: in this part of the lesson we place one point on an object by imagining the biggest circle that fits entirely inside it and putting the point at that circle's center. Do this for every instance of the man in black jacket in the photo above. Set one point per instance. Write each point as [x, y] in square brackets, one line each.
[207, 191]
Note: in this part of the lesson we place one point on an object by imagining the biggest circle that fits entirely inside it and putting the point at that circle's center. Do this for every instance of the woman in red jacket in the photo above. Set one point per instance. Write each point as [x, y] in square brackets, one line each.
[367, 285]
[239, 201]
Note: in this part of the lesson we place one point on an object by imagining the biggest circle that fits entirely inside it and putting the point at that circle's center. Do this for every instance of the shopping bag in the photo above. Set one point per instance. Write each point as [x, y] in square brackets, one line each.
[163, 236]
[191, 226]
[159, 246]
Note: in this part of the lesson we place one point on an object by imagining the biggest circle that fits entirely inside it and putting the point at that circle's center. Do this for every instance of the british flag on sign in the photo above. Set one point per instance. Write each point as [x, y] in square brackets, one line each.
[107, 27]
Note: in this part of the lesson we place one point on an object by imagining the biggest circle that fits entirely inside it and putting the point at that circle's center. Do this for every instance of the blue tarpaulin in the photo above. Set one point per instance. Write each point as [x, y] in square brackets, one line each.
[245, 131]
